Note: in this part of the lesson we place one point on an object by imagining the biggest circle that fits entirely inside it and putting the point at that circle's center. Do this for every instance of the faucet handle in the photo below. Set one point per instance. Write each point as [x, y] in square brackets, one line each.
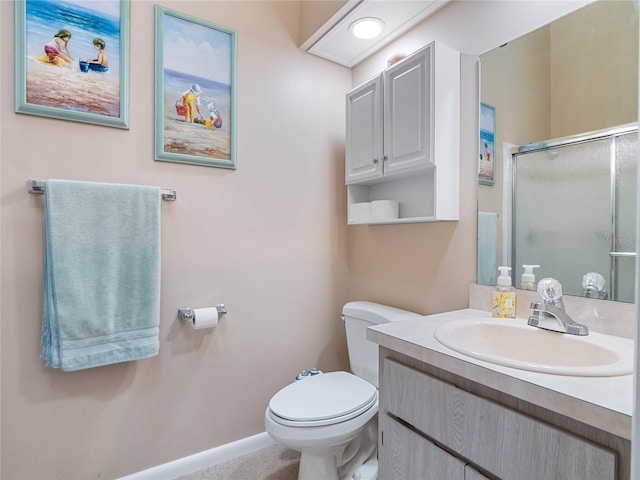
[550, 290]
[593, 279]
[593, 286]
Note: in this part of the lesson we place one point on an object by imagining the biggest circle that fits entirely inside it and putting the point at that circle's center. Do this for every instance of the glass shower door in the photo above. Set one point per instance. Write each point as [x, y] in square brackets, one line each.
[574, 212]
[623, 252]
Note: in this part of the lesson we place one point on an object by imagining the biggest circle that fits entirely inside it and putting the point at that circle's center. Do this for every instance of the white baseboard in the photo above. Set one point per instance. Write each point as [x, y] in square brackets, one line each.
[206, 459]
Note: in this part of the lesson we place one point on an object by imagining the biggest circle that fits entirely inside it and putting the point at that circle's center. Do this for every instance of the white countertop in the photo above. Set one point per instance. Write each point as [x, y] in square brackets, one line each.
[602, 402]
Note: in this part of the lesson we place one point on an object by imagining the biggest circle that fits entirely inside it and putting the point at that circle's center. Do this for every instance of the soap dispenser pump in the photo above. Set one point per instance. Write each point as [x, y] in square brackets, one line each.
[503, 299]
[528, 279]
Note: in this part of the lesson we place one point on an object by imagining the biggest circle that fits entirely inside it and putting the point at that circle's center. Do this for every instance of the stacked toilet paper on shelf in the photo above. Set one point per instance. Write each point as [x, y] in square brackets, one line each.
[385, 209]
[375, 210]
[360, 212]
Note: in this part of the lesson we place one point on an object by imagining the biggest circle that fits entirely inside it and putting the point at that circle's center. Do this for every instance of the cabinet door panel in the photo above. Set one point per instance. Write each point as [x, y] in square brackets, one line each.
[408, 456]
[472, 474]
[364, 132]
[407, 120]
[503, 441]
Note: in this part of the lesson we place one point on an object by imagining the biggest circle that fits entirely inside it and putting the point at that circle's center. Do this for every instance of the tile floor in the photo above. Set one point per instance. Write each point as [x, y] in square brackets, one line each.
[272, 463]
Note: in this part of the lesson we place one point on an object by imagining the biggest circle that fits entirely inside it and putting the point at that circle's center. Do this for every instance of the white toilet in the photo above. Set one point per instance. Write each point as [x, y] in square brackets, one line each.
[331, 418]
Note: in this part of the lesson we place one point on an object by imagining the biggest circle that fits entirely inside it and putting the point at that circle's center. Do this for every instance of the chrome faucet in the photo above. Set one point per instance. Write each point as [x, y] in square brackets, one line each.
[550, 314]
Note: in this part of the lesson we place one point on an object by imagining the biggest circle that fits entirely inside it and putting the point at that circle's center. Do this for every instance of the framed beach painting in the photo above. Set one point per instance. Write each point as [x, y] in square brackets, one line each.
[195, 91]
[486, 165]
[72, 60]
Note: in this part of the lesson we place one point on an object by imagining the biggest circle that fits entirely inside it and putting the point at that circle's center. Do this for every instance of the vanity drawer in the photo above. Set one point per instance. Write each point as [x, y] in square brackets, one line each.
[406, 455]
[500, 440]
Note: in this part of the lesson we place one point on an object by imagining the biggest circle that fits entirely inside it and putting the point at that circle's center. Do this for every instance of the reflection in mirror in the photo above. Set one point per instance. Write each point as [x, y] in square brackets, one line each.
[575, 79]
[571, 211]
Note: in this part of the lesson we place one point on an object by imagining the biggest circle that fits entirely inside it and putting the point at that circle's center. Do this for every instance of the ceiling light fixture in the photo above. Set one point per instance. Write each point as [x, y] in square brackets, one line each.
[365, 28]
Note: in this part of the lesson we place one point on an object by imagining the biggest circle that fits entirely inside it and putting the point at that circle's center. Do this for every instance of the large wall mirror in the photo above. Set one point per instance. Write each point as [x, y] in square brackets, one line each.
[564, 105]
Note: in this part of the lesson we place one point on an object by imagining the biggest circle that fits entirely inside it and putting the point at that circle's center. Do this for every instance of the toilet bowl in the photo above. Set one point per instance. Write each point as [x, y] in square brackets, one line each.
[331, 420]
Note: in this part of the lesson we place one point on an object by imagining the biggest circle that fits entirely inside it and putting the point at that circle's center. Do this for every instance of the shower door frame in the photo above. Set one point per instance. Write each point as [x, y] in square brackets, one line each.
[613, 134]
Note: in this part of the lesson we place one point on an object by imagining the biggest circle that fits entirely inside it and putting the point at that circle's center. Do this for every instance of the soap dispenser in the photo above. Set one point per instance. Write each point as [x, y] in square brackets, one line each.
[503, 300]
[528, 279]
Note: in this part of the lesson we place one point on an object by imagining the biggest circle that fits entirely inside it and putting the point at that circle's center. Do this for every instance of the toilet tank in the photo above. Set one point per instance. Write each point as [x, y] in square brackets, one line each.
[363, 354]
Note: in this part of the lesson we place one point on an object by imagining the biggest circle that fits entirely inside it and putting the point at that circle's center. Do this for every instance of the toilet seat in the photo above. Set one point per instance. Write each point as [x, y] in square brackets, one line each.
[326, 399]
[324, 422]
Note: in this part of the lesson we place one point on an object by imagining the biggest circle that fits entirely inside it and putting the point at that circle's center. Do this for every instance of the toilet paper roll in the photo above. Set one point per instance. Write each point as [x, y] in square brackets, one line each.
[385, 209]
[205, 318]
[360, 212]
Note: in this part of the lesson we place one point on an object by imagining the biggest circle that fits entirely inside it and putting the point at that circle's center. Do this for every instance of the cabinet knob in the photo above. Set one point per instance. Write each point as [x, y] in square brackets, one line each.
[385, 158]
[375, 160]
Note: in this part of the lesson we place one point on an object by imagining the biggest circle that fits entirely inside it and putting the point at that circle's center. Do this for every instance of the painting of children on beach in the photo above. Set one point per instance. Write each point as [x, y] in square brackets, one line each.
[486, 165]
[195, 91]
[70, 61]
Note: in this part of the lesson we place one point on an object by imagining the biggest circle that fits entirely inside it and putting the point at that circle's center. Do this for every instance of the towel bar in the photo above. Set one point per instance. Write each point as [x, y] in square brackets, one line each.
[37, 187]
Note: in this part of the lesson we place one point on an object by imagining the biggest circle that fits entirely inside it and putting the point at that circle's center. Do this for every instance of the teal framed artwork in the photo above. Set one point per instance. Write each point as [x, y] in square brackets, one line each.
[486, 161]
[195, 82]
[72, 60]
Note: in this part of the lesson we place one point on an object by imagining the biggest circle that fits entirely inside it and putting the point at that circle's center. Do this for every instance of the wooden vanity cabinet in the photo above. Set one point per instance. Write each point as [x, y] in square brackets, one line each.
[434, 425]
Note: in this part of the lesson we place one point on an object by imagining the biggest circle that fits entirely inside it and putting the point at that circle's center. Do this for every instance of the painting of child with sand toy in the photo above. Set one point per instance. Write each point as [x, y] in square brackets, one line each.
[190, 101]
[53, 82]
[100, 64]
[215, 119]
[57, 49]
[195, 68]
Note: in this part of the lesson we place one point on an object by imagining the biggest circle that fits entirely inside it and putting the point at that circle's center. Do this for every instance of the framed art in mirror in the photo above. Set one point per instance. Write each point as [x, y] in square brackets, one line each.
[486, 161]
[72, 60]
[195, 91]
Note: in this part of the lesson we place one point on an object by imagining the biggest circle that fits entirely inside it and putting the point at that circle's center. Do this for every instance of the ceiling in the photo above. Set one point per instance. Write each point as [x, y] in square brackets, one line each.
[339, 46]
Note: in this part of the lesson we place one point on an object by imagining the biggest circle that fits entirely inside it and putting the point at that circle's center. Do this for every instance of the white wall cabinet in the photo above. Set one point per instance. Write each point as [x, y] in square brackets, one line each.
[431, 429]
[403, 130]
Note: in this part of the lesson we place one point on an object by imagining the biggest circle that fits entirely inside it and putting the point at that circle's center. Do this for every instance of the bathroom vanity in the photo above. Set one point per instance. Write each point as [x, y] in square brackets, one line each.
[446, 415]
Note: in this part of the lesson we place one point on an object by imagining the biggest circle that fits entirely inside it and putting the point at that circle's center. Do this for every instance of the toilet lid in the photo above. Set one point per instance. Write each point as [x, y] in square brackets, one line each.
[323, 397]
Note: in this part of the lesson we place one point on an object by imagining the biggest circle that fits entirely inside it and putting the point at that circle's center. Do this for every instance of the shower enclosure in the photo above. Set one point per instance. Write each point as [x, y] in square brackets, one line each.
[574, 210]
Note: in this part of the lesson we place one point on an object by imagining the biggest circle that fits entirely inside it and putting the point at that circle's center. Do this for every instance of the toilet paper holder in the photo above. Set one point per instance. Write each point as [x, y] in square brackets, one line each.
[187, 313]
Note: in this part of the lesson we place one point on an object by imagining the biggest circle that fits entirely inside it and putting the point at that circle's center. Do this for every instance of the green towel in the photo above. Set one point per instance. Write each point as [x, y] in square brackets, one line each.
[101, 299]
[487, 247]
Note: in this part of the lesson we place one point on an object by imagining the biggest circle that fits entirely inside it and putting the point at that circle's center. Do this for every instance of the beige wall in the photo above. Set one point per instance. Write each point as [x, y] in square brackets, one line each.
[519, 91]
[578, 71]
[472, 27]
[268, 240]
[314, 14]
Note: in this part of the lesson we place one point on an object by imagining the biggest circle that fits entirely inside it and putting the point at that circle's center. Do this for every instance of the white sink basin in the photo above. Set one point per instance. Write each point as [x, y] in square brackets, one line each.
[513, 343]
